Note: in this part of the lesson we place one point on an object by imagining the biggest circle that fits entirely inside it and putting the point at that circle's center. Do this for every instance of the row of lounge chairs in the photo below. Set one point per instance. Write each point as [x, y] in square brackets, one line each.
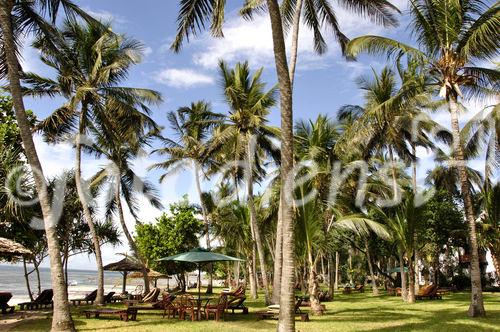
[429, 292]
[91, 297]
[186, 305]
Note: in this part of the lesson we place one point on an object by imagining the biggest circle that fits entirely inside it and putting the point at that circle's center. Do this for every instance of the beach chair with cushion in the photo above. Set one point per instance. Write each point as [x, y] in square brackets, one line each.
[108, 298]
[151, 297]
[237, 303]
[236, 300]
[273, 311]
[88, 299]
[42, 301]
[217, 310]
[359, 288]
[4, 305]
[428, 292]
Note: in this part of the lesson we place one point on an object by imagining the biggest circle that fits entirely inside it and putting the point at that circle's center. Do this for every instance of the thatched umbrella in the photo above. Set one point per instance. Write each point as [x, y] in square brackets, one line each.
[124, 266]
[154, 275]
[9, 248]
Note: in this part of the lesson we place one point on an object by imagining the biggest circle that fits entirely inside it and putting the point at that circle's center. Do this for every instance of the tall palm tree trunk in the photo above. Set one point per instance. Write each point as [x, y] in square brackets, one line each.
[395, 187]
[295, 40]
[404, 288]
[129, 237]
[82, 195]
[61, 318]
[205, 221]
[476, 307]
[278, 263]
[313, 285]
[349, 261]
[252, 274]
[411, 280]
[337, 261]
[287, 301]
[278, 256]
[253, 218]
[370, 268]
[415, 250]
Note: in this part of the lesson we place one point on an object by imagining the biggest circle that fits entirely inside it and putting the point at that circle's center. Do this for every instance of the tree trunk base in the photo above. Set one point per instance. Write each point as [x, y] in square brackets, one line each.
[63, 327]
[476, 310]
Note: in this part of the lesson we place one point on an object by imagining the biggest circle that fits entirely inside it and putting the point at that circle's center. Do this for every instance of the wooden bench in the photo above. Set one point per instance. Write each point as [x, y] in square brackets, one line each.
[304, 316]
[123, 314]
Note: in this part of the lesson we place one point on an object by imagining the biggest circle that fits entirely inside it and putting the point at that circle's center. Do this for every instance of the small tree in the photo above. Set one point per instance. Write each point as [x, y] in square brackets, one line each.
[172, 233]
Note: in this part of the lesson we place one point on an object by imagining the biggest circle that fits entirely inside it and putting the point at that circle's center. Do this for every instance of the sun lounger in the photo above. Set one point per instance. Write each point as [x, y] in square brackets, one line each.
[273, 312]
[89, 299]
[151, 297]
[359, 288]
[42, 301]
[236, 300]
[428, 292]
[4, 299]
[108, 298]
[237, 303]
[122, 313]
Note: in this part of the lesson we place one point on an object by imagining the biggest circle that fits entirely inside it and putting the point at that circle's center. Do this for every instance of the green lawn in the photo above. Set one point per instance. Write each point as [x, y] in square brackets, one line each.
[357, 312]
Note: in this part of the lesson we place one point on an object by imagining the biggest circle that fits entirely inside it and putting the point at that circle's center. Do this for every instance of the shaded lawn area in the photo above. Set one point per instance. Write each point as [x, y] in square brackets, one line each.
[355, 312]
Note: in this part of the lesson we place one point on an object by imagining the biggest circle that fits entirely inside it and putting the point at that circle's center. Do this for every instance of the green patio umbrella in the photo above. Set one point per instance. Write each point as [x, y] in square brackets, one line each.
[397, 270]
[199, 256]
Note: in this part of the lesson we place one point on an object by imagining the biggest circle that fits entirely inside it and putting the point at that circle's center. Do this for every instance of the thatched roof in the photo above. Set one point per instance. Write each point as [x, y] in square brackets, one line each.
[126, 264]
[152, 274]
[12, 248]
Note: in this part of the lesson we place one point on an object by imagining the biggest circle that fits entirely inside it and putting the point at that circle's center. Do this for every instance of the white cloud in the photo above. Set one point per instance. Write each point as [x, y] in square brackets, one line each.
[183, 78]
[252, 41]
[147, 51]
[106, 16]
[30, 57]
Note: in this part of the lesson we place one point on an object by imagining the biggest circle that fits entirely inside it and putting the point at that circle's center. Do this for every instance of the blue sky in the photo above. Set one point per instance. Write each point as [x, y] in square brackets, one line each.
[323, 83]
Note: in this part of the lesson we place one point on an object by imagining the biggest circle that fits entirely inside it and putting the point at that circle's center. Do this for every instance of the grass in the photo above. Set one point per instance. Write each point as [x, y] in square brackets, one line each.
[356, 312]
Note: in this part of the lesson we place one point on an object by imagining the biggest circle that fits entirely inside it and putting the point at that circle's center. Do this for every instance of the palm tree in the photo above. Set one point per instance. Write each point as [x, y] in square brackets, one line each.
[481, 134]
[403, 222]
[18, 18]
[90, 61]
[121, 180]
[381, 123]
[192, 17]
[249, 104]
[452, 36]
[192, 125]
[317, 15]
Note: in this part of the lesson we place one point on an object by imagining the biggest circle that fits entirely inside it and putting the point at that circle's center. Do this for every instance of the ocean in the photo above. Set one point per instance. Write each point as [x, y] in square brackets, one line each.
[83, 282]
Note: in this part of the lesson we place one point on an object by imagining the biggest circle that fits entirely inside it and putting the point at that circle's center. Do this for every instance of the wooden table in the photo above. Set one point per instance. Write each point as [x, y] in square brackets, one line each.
[123, 314]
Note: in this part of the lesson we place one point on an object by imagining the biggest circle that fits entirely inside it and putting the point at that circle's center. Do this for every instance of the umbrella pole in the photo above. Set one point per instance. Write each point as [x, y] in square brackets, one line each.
[124, 287]
[199, 282]
[199, 291]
